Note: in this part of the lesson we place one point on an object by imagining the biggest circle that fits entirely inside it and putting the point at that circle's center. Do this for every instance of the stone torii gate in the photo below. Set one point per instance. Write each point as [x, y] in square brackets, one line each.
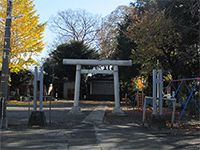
[93, 62]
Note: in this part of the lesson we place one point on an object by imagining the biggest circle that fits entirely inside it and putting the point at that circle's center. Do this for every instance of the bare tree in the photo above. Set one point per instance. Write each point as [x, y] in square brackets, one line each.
[77, 25]
[107, 36]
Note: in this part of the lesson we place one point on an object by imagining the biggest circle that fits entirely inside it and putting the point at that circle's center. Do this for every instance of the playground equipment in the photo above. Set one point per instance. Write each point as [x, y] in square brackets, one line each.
[157, 100]
[37, 116]
[91, 62]
[139, 98]
[185, 90]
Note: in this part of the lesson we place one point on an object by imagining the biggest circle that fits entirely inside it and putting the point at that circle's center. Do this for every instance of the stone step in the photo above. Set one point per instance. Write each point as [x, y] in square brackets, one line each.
[96, 116]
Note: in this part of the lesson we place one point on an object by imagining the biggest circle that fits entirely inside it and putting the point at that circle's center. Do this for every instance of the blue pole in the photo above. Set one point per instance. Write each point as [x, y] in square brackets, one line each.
[187, 101]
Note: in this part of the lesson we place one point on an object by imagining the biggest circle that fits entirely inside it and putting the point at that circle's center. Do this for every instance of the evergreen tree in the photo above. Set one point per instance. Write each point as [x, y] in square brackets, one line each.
[54, 64]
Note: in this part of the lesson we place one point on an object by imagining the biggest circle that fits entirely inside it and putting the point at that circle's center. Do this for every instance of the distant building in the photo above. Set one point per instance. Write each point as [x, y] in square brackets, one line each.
[101, 88]
[97, 87]
[68, 90]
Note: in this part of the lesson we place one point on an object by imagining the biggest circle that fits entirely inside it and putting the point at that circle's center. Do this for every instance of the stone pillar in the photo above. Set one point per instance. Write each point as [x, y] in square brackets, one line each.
[160, 92]
[35, 89]
[37, 117]
[117, 108]
[41, 88]
[76, 108]
[154, 92]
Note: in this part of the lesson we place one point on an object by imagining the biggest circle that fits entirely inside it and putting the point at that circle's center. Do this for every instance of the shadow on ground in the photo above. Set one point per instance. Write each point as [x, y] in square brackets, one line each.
[67, 131]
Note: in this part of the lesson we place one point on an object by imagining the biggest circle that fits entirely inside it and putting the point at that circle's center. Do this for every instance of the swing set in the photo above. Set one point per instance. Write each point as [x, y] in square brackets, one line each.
[183, 92]
[186, 92]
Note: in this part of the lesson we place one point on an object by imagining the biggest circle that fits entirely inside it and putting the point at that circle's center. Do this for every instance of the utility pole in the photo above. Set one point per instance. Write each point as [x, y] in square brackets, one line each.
[199, 48]
[5, 65]
[199, 38]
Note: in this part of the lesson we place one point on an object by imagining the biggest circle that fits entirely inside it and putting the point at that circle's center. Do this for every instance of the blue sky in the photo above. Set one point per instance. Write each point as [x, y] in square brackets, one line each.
[47, 8]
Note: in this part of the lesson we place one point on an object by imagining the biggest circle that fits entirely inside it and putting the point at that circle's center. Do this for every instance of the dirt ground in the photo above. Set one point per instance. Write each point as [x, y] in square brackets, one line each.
[19, 114]
[66, 131]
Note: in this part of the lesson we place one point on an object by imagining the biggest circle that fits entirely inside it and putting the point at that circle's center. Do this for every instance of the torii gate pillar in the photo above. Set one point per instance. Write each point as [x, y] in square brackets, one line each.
[76, 108]
[117, 108]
